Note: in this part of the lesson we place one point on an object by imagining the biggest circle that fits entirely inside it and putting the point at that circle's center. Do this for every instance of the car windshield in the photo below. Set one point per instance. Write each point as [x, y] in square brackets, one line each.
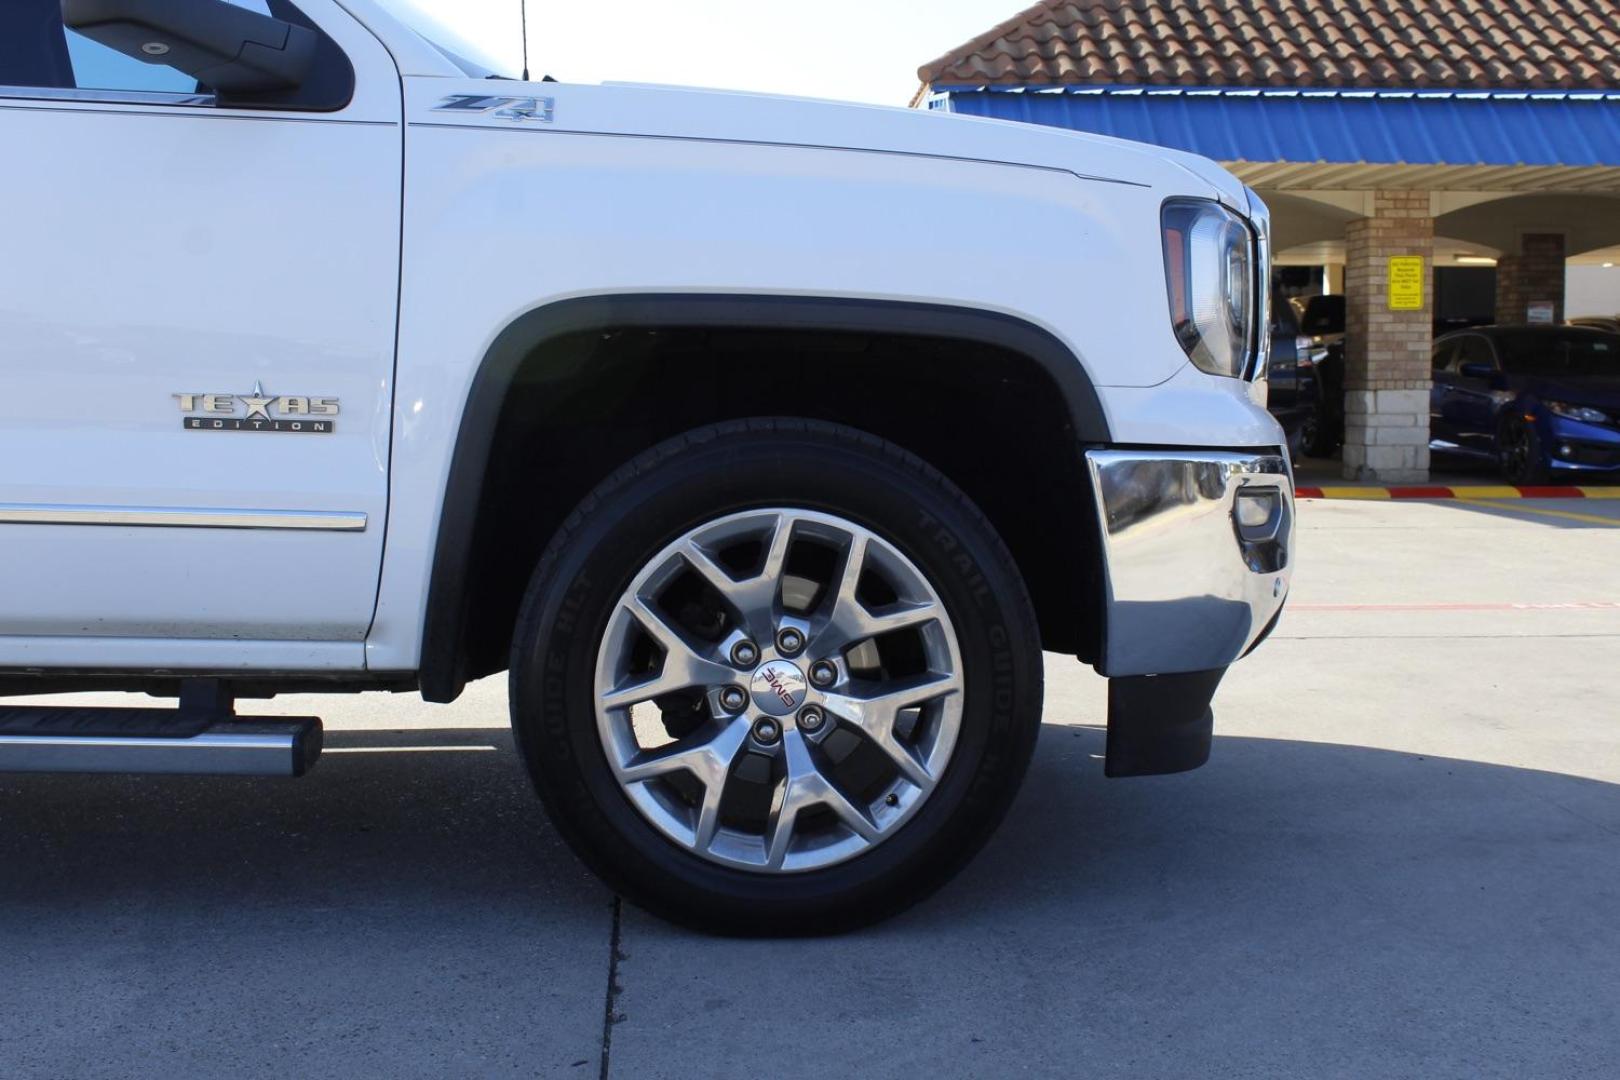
[482, 39]
[1324, 315]
[1563, 353]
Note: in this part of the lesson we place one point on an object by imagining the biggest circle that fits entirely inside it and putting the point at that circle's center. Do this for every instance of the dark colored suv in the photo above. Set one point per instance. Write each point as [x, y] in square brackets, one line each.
[1322, 317]
[1307, 380]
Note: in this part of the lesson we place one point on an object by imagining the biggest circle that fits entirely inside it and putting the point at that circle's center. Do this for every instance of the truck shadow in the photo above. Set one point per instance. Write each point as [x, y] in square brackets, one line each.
[398, 912]
[1292, 903]
[400, 819]
[1293, 909]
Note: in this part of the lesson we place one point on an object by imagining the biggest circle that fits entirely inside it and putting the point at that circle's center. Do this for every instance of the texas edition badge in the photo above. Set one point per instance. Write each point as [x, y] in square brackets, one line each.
[258, 411]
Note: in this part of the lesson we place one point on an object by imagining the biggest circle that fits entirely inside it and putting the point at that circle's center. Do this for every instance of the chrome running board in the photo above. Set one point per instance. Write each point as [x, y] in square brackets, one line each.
[202, 737]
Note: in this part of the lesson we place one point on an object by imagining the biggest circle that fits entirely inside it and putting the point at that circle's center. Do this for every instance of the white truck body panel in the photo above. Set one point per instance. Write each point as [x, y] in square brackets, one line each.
[630, 190]
[176, 280]
[163, 250]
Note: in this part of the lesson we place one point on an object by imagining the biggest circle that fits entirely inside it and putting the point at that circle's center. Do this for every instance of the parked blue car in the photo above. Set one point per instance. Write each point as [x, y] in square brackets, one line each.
[1541, 401]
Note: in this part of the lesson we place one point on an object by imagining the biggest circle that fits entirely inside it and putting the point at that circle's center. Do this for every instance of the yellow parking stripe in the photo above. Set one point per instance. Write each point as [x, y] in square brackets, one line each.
[1355, 493]
[1474, 492]
[1520, 508]
[1486, 491]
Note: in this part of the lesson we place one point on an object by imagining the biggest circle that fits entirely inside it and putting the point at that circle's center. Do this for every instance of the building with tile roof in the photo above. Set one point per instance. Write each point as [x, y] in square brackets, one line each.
[1482, 136]
[1388, 45]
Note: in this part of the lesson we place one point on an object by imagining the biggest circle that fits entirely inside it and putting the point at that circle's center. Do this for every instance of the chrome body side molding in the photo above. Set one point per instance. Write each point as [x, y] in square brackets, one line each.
[181, 517]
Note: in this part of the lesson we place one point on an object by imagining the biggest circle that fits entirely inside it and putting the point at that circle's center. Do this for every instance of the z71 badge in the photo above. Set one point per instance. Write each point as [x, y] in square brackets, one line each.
[540, 109]
[257, 411]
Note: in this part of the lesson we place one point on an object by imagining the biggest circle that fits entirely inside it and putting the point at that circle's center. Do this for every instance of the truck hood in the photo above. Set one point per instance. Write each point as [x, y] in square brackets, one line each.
[727, 116]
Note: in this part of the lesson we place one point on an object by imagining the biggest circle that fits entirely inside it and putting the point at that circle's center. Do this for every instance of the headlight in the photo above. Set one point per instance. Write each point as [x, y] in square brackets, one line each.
[1209, 272]
[1578, 412]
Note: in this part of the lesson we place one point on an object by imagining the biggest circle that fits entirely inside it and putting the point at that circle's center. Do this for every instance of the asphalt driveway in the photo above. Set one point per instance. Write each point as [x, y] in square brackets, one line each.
[1403, 860]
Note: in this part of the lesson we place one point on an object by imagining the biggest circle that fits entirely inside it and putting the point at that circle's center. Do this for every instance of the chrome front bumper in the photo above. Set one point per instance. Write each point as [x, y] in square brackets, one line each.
[1189, 587]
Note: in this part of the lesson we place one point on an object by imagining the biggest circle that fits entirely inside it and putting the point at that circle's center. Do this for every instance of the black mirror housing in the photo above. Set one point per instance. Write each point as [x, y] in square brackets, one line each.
[228, 49]
[1476, 370]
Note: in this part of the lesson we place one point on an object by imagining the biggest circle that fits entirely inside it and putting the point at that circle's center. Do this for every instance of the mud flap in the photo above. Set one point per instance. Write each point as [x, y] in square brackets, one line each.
[1160, 724]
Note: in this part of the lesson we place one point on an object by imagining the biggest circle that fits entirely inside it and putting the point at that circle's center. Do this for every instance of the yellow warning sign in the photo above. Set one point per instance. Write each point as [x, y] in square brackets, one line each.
[1406, 283]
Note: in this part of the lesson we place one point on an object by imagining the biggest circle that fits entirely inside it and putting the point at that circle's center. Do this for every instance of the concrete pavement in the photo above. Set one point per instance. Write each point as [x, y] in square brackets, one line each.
[396, 913]
[1402, 860]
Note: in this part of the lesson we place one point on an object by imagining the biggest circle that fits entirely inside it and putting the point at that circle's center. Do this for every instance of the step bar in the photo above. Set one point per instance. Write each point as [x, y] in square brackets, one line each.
[201, 738]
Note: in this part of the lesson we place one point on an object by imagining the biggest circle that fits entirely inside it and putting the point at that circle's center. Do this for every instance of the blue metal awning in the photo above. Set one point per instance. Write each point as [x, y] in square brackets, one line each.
[1569, 129]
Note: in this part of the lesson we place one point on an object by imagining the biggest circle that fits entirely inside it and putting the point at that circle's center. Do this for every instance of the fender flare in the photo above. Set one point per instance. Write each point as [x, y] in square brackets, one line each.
[442, 671]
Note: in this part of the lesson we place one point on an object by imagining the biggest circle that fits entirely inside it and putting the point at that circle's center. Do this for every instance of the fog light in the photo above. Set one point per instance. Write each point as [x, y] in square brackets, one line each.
[1257, 515]
[1254, 508]
[1564, 450]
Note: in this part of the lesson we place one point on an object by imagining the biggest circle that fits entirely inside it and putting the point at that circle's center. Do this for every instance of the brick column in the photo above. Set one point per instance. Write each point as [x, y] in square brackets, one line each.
[1386, 372]
[1535, 275]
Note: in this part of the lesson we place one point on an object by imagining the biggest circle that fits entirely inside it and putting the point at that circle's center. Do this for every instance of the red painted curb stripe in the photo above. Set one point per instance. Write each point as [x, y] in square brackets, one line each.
[1550, 491]
[1553, 492]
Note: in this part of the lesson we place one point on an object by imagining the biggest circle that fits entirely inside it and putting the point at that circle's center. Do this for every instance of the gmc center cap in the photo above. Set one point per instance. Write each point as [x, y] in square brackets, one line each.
[778, 688]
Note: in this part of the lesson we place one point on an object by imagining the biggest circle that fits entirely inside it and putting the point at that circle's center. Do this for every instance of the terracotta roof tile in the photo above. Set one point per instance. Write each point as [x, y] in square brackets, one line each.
[1476, 44]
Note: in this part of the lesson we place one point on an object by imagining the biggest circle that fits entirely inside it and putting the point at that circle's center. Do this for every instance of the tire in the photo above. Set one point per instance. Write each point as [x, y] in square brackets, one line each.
[1327, 425]
[824, 485]
[1296, 441]
[1319, 436]
[1518, 454]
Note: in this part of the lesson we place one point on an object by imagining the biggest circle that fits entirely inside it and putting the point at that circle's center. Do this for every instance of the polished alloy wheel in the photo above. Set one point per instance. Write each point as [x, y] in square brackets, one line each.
[779, 690]
[776, 676]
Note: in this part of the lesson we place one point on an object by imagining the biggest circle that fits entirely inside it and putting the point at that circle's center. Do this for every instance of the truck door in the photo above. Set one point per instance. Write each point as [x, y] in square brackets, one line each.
[197, 315]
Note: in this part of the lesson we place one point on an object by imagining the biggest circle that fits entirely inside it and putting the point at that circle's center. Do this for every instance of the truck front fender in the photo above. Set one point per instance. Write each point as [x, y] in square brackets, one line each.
[443, 670]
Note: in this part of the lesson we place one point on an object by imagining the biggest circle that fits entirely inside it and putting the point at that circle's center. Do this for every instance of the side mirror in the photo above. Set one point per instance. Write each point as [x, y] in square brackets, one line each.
[1476, 370]
[228, 49]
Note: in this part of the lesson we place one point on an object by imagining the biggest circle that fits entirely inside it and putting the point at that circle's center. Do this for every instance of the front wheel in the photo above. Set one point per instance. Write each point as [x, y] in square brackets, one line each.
[1518, 452]
[776, 676]
[1320, 436]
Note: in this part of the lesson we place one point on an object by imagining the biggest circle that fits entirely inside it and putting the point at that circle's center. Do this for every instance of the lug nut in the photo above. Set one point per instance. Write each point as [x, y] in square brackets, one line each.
[745, 654]
[811, 718]
[823, 673]
[789, 641]
[767, 730]
[733, 698]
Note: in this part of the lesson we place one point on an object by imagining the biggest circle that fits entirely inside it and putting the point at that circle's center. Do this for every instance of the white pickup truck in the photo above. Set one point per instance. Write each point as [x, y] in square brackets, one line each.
[766, 443]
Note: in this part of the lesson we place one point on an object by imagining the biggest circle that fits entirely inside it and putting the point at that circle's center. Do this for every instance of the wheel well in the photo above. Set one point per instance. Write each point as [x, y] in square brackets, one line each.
[581, 403]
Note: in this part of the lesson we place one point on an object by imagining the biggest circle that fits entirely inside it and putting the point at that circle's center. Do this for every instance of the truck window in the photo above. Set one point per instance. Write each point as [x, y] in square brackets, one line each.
[38, 51]
[96, 67]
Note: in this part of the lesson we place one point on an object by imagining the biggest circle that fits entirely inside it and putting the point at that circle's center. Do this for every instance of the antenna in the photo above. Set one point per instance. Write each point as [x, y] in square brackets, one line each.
[523, 13]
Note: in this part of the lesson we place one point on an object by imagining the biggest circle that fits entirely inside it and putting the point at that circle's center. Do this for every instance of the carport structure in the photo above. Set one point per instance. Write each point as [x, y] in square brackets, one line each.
[1464, 134]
